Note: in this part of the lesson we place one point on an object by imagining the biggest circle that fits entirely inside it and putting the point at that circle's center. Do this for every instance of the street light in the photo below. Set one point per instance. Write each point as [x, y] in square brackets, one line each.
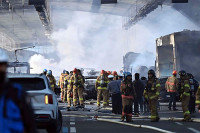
[21, 49]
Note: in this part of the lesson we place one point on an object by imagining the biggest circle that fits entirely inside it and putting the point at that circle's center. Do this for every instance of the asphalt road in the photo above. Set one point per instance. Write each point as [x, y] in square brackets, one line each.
[83, 121]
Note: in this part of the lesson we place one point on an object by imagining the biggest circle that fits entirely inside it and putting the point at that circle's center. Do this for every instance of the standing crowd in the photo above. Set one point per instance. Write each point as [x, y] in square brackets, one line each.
[142, 93]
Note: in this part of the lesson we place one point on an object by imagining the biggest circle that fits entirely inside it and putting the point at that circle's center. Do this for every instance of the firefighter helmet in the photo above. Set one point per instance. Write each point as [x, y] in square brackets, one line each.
[127, 74]
[64, 71]
[174, 72]
[102, 72]
[182, 73]
[108, 72]
[75, 71]
[45, 70]
[190, 76]
[151, 72]
[49, 72]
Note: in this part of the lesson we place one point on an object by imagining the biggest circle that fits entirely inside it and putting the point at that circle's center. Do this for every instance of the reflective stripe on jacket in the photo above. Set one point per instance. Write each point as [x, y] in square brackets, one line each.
[171, 84]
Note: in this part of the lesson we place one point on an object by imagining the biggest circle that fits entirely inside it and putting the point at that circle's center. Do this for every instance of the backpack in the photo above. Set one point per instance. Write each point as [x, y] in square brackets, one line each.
[10, 114]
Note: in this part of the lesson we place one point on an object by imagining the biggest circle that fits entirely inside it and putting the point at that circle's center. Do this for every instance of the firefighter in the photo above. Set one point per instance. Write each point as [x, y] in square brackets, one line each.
[68, 94]
[128, 94]
[172, 86]
[80, 73]
[101, 86]
[184, 91]
[65, 84]
[151, 93]
[77, 85]
[114, 73]
[51, 80]
[61, 84]
[82, 86]
[193, 89]
[198, 99]
[108, 74]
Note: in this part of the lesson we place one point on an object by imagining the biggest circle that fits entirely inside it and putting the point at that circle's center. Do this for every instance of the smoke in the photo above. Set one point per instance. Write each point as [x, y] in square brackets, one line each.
[98, 41]
[161, 22]
[89, 41]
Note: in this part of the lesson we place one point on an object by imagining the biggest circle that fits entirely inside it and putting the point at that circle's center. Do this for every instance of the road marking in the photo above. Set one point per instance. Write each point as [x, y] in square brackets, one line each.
[138, 126]
[72, 130]
[72, 119]
[72, 123]
[65, 130]
[179, 123]
[194, 130]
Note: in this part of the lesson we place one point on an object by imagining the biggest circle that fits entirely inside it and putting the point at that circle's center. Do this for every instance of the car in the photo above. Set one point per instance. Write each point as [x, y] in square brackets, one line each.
[90, 90]
[43, 100]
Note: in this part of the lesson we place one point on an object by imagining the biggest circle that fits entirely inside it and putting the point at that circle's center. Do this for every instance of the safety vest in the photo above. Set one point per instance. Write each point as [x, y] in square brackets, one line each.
[127, 90]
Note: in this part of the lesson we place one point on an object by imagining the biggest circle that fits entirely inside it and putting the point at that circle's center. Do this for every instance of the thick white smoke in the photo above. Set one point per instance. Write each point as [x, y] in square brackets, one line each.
[89, 41]
[98, 40]
[161, 22]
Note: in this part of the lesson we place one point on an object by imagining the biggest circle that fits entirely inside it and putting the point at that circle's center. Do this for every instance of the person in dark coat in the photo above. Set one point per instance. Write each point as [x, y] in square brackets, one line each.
[139, 88]
[146, 104]
[193, 89]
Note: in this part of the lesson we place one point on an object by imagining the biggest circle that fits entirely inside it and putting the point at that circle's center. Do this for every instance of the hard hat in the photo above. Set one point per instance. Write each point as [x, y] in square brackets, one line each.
[64, 71]
[151, 72]
[108, 72]
[49, 72]
[182, 73]
[3, 57]
[174, 72]
[45, 70]
[127, 74]
[102, 71]
[114, 73]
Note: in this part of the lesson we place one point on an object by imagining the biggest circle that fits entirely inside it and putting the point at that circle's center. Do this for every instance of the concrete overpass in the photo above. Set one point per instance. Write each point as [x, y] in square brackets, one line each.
[27, 25]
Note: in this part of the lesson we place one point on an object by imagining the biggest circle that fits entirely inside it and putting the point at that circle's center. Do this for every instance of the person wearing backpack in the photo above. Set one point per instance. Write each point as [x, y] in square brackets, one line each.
[15, 114]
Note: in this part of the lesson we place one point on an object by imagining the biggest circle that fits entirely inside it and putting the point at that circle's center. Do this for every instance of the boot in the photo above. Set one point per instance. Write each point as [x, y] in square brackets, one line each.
[129, 119]
[154, 120]
[68, 109]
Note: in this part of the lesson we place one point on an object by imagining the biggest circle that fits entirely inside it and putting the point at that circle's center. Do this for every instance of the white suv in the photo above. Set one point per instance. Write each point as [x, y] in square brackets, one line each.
[43, 100]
